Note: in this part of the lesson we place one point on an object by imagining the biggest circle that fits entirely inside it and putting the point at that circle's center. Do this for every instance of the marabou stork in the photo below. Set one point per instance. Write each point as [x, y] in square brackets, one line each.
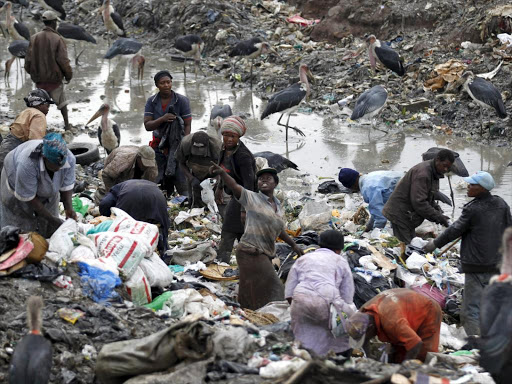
[18, 50]
[370, 103]
[190, 46]
[55, 6]
[112, 20]
[485, 95]
[276, 161]
[218, 114]
[108, 131]
[288, 100]
[73, 33]
[385, 55]
[458, 168]
[139, 61]
[128, 46]
[17, 30]
[251, 49]
[32, 358]
[496, 319]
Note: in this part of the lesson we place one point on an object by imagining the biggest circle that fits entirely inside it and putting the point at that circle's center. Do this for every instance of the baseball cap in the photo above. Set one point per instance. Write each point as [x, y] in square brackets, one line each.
[273, 171]
[482, 178]
[147, 155]
[49, 16]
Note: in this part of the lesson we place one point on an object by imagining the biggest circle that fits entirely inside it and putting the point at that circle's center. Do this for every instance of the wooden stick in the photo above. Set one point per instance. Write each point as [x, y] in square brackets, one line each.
[448, 248]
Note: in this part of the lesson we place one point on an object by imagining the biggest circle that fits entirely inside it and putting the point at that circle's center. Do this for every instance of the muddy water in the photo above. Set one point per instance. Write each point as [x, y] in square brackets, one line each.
[330, 142]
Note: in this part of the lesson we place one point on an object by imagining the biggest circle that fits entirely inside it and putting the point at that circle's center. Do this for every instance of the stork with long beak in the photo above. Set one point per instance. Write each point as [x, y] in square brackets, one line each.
[190, 46]
[108, 131]
[17, 30]
[384, 55]
[251, 49]
[288, 100]
[112, 20]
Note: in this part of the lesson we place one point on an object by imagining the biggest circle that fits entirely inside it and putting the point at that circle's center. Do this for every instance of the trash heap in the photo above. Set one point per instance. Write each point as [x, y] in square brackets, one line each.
[175, 317]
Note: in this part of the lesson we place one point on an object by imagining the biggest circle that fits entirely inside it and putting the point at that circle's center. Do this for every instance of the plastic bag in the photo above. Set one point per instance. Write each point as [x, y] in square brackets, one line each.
[98, 284]
[415, 261]
[156, 271]
[124, 223]
[337, 322]
[138, 288]
[62, 242]
[101, 227]
[41, 272]
[158, 303]
[208, 196]
[315, 216]
[9, 238]
[125, 249]
[78, 206]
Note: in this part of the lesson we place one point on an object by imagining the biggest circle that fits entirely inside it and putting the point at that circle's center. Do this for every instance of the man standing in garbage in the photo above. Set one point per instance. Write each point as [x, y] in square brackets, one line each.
[481, 226]
[317, 281]
[126, 163]
[375, 187]
[412, 201]
[408, 320]
[194, 155]
[47, 63]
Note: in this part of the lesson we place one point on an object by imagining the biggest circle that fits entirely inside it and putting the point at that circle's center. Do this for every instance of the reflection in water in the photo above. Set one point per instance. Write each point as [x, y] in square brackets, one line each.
[330, 142]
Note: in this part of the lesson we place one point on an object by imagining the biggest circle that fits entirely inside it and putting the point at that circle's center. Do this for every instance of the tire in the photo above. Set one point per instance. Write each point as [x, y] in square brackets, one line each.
[85, 153]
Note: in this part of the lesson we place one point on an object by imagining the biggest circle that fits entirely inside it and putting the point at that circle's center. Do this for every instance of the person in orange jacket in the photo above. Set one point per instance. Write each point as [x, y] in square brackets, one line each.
[408, 320]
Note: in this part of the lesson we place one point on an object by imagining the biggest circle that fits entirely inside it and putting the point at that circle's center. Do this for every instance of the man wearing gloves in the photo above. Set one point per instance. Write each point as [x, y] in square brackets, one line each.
[375, 187]
[481, 226]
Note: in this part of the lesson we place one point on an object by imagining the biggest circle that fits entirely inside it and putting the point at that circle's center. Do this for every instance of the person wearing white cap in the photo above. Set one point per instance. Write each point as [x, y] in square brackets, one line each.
[47, 62]
[481, 226]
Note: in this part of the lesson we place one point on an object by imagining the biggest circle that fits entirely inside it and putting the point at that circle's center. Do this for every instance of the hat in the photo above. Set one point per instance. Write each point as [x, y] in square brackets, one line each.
[37, 97]
[147, 155]
[233, 124]
[272, 171]
[348, 177]
[55, 149]
[331, 239]
[482, 178]
[49, 16]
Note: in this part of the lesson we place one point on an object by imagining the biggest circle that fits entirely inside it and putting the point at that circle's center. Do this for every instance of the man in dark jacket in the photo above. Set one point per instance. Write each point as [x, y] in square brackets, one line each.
[481, 225]
[412, 201]
[47, 63]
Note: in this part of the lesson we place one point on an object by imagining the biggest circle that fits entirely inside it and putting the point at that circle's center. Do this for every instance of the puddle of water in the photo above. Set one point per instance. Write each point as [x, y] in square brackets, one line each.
[329, 143]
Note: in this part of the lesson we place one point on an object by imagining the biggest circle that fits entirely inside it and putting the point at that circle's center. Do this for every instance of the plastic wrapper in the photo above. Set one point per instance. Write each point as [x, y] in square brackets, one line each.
[69, 314]
[63, 282]
[138, 288]
[98, 284]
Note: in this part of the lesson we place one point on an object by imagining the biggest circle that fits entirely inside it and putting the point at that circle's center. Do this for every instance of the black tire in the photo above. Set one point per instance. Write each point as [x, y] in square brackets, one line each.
[85, 153]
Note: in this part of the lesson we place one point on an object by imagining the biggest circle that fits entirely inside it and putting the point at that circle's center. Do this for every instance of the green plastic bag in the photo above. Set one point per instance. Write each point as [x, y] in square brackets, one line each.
[101, 227]
[158, 303]
[78, 206]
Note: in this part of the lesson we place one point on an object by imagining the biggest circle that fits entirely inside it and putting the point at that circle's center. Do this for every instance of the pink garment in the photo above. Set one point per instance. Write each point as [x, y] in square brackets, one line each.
[316, 280]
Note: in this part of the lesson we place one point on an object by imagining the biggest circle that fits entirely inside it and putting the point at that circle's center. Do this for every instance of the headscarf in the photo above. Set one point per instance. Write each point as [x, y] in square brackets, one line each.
[161, 74]
[348, 177]
[233, 124]
[55, 149]
[357, 324]
[37, 97]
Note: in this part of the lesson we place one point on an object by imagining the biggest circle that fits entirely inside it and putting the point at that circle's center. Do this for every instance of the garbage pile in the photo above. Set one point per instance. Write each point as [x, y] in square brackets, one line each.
[175, 317]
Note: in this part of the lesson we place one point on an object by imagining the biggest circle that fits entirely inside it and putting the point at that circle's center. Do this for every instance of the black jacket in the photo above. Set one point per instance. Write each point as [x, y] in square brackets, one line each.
[481, 225]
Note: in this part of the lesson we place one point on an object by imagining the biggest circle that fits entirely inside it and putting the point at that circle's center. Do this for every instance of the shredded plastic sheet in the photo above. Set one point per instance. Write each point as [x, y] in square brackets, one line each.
[98, 284]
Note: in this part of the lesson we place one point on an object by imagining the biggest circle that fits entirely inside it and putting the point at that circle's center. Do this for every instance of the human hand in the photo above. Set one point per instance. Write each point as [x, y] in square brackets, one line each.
[430, 246]
[445, 221]
[216, 169]
[168, 117]
[71, 214]
[297, 250]
[195, 182]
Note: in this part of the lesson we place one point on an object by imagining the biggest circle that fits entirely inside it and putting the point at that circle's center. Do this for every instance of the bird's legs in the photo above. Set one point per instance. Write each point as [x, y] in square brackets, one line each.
[451, 192]
[252, 62]
[287, 126]
[481, 121]
[185, 69]
[8, 64]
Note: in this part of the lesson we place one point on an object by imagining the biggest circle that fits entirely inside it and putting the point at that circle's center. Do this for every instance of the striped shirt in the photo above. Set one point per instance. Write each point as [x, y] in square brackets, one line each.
[262, 224]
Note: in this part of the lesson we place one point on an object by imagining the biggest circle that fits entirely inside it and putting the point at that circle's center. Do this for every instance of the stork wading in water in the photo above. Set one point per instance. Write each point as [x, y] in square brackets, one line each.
[112, 20]
[108, 131]
[18, 50]
[370, 103]
[125, 46]
[485, 95]
[251, 49]
[190, 46]
[55, 6]
[287, 101]
[73, 33]
[218, 114]
[458, 168]
[16, 29]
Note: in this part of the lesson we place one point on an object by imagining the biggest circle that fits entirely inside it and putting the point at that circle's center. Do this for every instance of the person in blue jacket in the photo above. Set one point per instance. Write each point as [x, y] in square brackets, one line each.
[376, 187]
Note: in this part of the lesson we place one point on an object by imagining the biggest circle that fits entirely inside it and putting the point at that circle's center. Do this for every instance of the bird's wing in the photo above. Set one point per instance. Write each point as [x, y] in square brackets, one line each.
[459, 168]
[496, 326]
[390, 59]
[440, 196]
[487, 93]
[75, 32]
[116, 17]
[22, 30]
[57, 5]
[183, 44]
[369, 101]
[284, 99]
[19, 48]
[246, 47]
[221, 110]
[276, 161]
[99, 135]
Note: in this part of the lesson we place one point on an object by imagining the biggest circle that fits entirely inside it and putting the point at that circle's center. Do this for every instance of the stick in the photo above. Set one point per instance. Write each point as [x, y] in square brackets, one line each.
[448, 248]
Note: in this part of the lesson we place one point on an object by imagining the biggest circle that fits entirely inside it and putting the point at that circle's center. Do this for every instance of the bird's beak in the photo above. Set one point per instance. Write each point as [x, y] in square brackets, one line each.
[96, 115]
[276, 53]
[310, 76]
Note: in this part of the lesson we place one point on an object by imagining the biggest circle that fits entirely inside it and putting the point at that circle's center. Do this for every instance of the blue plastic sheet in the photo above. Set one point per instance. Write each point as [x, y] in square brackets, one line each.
[98, 284]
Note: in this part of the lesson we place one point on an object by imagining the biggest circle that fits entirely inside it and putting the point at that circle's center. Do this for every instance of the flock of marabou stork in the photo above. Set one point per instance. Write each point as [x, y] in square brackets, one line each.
[368, 104]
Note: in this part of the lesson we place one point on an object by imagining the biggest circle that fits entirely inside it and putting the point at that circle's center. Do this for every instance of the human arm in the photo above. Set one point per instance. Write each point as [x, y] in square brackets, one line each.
[109, 201]
[227, 180]
[419, 192]
[461, 225]
[187, 128]
[61, 56]
[41, 211]
[67, 197]
[151, 124]
[345, 283]
[413, 352]
[291, 282]
[288, 240]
